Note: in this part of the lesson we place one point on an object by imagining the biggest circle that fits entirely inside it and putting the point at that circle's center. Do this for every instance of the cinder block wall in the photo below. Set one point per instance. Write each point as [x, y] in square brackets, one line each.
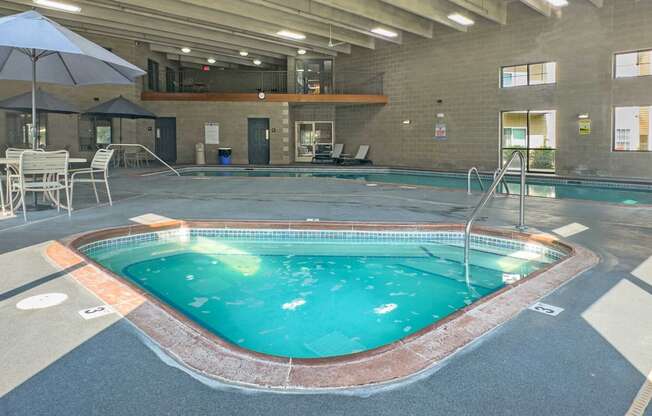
[462, 70]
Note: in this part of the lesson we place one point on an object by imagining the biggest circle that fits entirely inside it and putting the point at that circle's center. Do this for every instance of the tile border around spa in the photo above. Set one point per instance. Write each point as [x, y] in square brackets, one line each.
[214, 357]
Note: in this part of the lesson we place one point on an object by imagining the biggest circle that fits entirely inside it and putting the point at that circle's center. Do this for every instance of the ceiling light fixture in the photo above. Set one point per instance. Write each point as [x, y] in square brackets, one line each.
[58, 6]
[384, 32]
[244, 53]
[301, 51]
[186, 49]
[291, 35]
[211, 60]
[558, 3]
[583, 116]
[461, 19]
[257, 62]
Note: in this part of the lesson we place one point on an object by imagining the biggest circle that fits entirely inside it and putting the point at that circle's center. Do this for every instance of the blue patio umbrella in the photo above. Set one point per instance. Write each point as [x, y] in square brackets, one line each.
[35, 48]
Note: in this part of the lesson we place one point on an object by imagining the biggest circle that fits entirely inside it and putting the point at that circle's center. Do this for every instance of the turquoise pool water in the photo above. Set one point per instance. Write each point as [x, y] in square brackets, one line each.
[592, 191]
[314, 296]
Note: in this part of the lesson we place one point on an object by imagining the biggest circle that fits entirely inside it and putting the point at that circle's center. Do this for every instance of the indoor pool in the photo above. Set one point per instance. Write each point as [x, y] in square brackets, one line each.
[592, 190]
[310, 294]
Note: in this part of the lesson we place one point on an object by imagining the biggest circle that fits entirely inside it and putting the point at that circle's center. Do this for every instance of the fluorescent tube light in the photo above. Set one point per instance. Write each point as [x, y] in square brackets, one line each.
[384, 32]
[291, 35]
[458, 18]
[50, 4]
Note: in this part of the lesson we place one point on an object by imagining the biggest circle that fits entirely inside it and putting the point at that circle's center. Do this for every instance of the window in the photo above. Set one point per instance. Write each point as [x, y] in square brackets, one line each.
[95, 133]
[19, 129]
[529, 74]
[532, 132]
[152, 75]
[632, 129]
[633, 64]
[169, 80]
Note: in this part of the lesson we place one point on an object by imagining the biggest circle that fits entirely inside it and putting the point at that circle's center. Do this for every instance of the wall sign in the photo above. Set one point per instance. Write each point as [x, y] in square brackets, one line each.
[212, 133]
[584, 126]
[441, 132]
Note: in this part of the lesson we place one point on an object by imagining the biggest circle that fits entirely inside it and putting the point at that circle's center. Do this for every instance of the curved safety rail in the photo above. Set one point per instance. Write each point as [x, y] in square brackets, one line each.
[113, 145]
[487, 196]
[468, 180]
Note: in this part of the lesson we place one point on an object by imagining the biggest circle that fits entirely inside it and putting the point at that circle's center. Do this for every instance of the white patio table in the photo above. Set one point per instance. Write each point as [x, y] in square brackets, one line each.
[12, 164]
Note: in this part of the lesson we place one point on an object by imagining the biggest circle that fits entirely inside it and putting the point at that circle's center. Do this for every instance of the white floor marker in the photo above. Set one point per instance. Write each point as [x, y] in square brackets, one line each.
[150, 219]
[546, 309]
[96, 312]
[45, 300]
[644, 271]
[570, 229]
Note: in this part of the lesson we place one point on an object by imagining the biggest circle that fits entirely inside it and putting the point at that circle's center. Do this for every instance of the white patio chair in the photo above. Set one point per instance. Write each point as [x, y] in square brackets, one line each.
[52, 166]
[99, 165]
[12, 170]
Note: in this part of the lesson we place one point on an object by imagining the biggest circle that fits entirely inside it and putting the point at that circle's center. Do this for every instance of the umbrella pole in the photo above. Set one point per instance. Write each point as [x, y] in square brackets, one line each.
[34, 131]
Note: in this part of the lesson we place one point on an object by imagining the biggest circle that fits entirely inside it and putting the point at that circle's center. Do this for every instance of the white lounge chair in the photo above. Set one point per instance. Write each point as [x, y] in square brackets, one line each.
[52, 166]
[359, 159]
[99, 165]
[335, 154]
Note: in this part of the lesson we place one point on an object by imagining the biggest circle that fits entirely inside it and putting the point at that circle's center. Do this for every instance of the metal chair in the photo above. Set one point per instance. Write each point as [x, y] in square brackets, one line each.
[99, 165]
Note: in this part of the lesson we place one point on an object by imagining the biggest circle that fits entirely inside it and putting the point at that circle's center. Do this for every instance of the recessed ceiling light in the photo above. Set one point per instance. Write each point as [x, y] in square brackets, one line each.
[583, 116]
[291, 35]
[257, 62]
[211, 60]
[244, 53]
[407, 121]
[558, 3]
[58, 6]
[300, 70]
[186, 49]
[384, 32]
[458, 18]
[301, 51]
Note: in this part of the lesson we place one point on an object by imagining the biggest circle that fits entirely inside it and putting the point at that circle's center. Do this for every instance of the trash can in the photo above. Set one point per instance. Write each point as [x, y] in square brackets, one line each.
[224, 155]
[200, 156]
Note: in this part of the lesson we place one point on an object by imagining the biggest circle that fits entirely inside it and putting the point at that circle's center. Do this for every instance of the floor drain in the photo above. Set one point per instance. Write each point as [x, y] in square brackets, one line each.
[43, 301]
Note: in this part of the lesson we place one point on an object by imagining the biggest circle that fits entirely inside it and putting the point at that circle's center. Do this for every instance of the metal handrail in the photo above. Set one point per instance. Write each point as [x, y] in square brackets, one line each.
[488, 195]
[503, 181]
[468, 180]
[112, 145]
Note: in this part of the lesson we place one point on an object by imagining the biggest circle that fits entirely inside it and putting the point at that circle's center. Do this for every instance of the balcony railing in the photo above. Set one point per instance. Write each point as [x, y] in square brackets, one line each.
[238, 81]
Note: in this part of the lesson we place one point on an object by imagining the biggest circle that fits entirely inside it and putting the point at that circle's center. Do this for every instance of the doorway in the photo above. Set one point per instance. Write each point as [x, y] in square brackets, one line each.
[258, 132]
[166, 139]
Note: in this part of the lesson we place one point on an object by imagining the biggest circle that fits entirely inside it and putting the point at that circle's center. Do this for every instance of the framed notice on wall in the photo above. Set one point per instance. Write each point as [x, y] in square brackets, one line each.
[212, 133]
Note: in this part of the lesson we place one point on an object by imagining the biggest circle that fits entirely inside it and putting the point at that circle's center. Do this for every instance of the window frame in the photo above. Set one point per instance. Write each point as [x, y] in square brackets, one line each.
[93, 145]
[527, 148]
[527, 65]
[153, 83]
[24, 132]
[614, 65]
[613, 127]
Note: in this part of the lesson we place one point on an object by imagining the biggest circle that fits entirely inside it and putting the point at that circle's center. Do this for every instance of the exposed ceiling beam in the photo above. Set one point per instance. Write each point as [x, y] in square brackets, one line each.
[265, 15]
[383, 14]
[184, 13]
[540, 6]
[494, 10]
[204, 55]
[112, 20]
[200, 61]
[435, 10]
[307, 9]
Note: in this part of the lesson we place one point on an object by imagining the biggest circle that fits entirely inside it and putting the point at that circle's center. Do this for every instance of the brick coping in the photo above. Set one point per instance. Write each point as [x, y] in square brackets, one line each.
[212, 356]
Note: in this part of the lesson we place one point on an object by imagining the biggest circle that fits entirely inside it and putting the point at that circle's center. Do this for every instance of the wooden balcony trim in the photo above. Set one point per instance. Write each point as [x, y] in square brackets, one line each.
[272, 98]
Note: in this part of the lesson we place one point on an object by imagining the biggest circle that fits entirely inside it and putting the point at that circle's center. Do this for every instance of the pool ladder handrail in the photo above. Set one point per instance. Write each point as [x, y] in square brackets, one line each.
[487, 196]
[468, 180]
[503, 181]
[112, 145]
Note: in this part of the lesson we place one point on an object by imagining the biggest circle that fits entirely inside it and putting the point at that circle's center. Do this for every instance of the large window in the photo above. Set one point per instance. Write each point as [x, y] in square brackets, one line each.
[632, 129]
[533, 133]
[152, 75]
[19, 129]
[528, 74]
[633, 64]
[170, 81]
[95, 133]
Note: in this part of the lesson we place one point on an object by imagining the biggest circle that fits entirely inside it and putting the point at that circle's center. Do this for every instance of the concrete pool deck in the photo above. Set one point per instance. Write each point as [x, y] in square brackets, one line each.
[590, 359]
